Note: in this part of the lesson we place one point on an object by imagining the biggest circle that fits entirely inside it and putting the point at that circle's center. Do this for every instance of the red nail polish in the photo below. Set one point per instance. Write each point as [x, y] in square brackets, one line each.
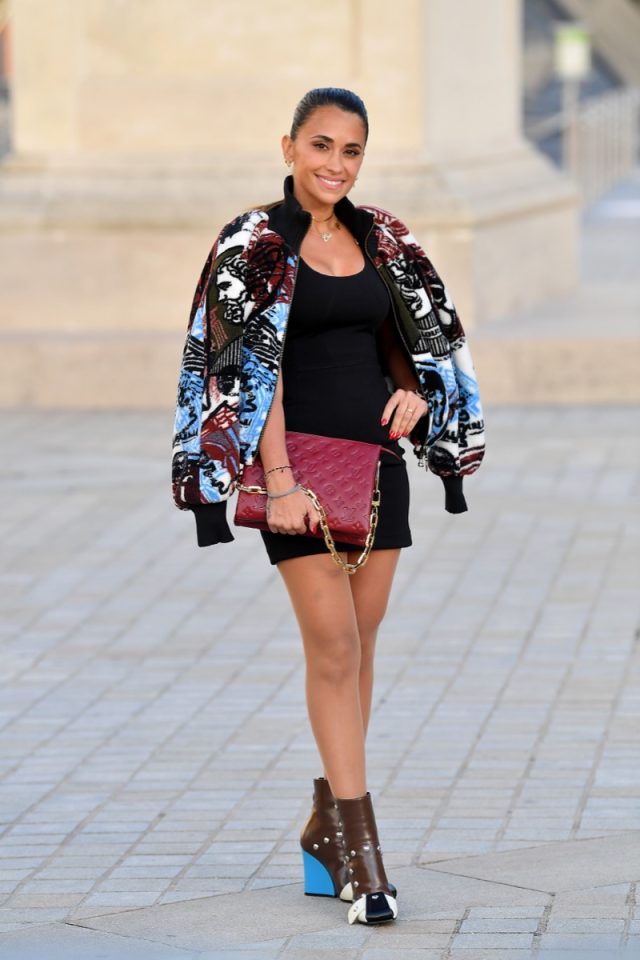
[384, 422]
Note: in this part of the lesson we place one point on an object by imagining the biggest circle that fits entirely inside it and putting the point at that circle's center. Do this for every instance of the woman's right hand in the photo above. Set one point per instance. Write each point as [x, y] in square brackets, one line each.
[288, 514]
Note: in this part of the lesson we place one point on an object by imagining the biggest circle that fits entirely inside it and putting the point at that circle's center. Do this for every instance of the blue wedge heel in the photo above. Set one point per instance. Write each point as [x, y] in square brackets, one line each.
[318, 882]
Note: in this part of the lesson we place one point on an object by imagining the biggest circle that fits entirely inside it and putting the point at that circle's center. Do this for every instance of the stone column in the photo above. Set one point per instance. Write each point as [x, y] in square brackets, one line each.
[492, 211]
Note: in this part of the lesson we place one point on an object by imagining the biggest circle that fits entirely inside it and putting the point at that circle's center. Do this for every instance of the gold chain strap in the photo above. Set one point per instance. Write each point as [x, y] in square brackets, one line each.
[328, 538]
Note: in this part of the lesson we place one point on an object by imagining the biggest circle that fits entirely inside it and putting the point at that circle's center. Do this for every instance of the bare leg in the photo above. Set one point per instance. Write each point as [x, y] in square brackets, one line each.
[323, 603]
[339, 617]
[370, 588]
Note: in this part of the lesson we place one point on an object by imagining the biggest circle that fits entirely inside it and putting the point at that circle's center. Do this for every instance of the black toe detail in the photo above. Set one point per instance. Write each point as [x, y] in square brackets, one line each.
[377, 909]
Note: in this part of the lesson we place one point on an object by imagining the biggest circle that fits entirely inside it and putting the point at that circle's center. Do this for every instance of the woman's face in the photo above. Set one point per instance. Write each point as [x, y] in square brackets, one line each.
[327, 155]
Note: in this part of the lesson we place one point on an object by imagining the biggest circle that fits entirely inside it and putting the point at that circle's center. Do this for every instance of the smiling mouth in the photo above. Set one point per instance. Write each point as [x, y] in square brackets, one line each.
[329, 182]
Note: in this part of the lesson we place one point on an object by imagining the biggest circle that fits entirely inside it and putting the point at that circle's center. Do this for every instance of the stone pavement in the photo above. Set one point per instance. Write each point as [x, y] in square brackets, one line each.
[156, 761]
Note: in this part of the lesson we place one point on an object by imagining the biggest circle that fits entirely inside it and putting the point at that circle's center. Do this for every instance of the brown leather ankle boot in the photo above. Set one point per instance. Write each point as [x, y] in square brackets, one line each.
[329, 876]
[373, 899]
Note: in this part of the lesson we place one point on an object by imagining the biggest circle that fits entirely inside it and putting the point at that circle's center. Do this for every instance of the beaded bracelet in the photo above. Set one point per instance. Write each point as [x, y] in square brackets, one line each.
[273, 469]
[276, 496]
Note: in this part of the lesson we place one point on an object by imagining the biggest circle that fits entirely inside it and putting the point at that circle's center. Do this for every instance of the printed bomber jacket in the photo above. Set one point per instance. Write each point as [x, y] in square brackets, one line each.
[235, 337]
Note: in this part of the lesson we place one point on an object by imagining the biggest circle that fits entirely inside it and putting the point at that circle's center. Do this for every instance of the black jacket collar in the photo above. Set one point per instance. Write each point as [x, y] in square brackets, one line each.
[291, 221]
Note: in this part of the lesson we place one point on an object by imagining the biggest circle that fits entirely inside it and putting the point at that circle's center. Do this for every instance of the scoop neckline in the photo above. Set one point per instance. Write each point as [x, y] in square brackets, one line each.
[335, 276]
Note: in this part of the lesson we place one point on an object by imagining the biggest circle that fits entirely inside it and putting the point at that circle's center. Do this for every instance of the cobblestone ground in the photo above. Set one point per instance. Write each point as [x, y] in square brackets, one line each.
[156, 758]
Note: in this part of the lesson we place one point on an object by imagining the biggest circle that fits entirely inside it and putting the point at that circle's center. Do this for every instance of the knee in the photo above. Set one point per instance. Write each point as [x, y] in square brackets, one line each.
[335, 659]
[368, 624]
[369, 620]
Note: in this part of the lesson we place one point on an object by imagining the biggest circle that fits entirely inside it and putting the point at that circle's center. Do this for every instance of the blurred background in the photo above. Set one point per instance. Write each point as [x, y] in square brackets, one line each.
[504, 133]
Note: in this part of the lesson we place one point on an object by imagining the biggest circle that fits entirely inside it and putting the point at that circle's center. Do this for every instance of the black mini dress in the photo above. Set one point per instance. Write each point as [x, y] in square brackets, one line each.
[334, 385]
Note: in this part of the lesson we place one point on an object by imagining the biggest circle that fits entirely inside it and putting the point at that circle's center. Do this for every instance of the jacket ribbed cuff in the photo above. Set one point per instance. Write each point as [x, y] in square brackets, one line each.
[454, 501]
[211, 523]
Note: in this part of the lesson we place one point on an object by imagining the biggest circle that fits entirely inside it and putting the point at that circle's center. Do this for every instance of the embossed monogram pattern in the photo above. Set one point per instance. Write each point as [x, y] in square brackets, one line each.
[340, 472]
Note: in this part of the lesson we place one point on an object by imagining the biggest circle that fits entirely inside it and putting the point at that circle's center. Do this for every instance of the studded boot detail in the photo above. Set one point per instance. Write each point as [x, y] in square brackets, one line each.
[374, 898]
[325, 869]
[317, 845]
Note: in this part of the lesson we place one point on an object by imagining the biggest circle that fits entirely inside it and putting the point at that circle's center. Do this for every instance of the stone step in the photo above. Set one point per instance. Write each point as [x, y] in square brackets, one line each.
[139, 370]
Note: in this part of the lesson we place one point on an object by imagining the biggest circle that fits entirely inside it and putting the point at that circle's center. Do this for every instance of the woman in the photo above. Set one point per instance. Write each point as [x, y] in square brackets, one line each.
[374, 351]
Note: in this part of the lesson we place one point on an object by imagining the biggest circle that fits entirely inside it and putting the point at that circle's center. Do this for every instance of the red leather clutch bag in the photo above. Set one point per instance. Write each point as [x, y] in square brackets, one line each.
[341, 474]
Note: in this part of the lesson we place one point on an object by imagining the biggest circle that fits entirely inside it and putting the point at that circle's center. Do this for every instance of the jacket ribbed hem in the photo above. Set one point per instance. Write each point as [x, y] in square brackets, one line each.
[211, 523]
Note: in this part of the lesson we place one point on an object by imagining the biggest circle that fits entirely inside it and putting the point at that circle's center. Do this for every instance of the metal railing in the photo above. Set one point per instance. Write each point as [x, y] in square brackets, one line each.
[599, 140]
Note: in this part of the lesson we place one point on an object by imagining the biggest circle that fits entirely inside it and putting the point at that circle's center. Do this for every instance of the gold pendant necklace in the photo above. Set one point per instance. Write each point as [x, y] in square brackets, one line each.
[326, 234]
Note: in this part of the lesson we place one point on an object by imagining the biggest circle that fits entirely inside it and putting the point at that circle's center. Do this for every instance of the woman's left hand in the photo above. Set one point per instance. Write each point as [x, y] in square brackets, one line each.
[404, 408]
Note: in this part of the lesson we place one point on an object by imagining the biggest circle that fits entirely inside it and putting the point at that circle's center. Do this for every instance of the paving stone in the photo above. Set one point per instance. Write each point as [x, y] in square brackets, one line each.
[383, 953]
[579, 941]
[45, 887]
[500, 925]
[583, 925]
[492, 941]
[495, 914]
[337, 939]
[582, 953]
[484, 954]
[122, 885]
[256, 953]
[68, 942]
[40, 899]
[558, 866]
[155, 871]
[400, 939]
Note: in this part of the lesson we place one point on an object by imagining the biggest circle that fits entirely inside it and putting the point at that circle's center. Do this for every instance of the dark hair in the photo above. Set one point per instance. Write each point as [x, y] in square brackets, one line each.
[328, 97]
